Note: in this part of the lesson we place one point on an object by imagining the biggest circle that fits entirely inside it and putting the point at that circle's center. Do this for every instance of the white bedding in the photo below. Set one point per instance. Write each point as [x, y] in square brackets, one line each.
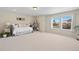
[22, 30]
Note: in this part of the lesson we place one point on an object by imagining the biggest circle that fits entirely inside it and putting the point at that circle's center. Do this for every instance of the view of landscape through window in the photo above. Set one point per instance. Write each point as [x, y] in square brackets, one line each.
[61, 22]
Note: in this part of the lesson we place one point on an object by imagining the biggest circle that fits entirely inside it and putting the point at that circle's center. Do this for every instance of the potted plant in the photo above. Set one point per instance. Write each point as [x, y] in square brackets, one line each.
[77, 31]
[4, 34]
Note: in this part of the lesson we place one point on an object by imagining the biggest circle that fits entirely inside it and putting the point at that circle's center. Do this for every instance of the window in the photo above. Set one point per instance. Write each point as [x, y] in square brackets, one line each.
[64, 22]
[56, 22]
[67, 22]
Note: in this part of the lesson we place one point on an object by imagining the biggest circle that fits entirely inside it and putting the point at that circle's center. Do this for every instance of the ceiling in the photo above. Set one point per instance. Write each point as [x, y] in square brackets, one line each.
[40, 11]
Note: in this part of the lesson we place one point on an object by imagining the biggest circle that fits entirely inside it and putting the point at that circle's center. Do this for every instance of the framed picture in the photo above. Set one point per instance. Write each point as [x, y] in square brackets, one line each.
[20, 18]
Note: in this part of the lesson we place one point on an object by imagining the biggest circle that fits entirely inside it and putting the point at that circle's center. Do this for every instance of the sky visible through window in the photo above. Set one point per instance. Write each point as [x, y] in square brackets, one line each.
[57, 20]
[65, 18]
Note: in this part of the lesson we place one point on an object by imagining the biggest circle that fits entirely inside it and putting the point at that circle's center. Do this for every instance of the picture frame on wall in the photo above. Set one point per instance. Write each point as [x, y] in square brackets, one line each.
[20, 18]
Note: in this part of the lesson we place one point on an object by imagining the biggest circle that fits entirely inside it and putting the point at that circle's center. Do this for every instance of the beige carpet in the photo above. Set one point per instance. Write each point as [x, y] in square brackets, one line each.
[39, 41]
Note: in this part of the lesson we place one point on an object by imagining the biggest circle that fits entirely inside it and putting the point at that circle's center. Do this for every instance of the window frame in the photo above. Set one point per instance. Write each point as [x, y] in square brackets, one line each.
[53, 22]
[71, 23]
[61, 21]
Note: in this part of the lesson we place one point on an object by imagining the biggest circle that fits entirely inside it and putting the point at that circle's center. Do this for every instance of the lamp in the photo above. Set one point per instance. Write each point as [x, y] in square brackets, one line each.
[35, 8]
[7, 25]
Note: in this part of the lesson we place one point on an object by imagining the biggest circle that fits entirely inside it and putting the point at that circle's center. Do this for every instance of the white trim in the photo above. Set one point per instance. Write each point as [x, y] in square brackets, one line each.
[51, 24]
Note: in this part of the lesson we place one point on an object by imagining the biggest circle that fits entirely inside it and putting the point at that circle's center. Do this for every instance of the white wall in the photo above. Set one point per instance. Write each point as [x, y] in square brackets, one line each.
[8, 17]
[41, 20]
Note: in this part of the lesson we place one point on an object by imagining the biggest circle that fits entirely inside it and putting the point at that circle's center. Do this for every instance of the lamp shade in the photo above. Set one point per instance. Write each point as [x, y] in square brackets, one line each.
[35, 8]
